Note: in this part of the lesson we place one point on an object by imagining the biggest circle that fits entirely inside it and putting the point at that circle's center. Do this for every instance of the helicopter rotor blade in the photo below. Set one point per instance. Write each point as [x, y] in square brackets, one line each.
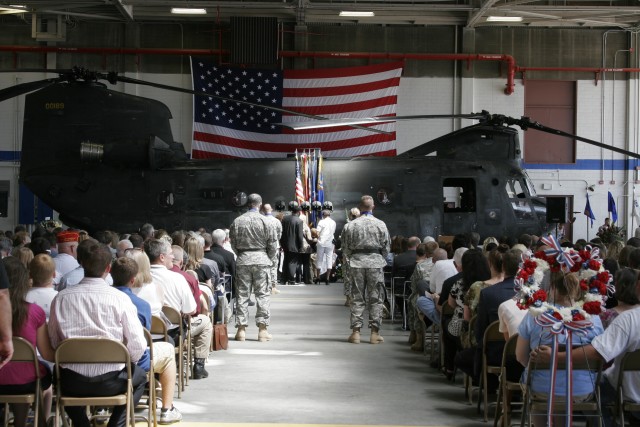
[324, 123]
[526, 123]
[21, 89]
[114, 77]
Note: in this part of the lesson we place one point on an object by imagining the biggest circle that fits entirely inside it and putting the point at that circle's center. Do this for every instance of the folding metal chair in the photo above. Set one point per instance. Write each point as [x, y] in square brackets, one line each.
[23, 351]
[491, 335]
[182, 346]
[630, 362]
[93, 350]
[506, 388]
[533, 407]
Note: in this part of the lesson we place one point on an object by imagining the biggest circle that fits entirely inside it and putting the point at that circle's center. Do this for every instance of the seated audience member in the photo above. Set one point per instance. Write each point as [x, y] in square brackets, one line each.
[144, 286]
[618, 339]
[6, 246]
[626, 296]
[73, 316]
[475, 268]
[28, 322]
[218, 238]
[206, 269]
[614, 248]
[124, 271]
[136, 240]
[74, 277]
[42, 271]
[510, 317]
[623, 257]
[565, 289]
[422, 271]
[213, 256]
[122, 246]
[40, 245]
[426, 301]
[177, 295]
[192, 279]
[67, 251]
[24, 254]
[449, 342]
[490, 300]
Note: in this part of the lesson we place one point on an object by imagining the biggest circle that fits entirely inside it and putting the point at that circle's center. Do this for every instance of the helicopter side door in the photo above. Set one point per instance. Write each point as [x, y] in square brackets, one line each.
[459, 204]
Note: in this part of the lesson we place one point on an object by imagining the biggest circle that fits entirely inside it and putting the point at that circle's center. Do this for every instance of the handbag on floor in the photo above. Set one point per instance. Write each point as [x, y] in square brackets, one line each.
[220, 337]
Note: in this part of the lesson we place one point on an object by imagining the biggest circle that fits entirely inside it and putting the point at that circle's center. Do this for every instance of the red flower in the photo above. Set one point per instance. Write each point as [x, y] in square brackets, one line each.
[583, 285]
[540, 254]
[523, 275]
[585, 255]
[557, 315]
[576, 267]
[603, 276]
[592, 307]
[554, 267]
[540, 295]
[594, 265]
[577, 317]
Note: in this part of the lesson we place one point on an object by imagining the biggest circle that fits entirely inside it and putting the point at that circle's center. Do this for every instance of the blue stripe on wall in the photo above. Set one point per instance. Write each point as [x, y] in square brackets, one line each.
[587, 164]
[9, 156]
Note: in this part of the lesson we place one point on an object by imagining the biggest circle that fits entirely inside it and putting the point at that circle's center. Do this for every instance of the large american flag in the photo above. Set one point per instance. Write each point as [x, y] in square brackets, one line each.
[223, 128]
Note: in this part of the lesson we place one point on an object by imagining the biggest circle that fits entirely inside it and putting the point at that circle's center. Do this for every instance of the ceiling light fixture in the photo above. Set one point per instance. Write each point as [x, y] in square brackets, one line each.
[14, 8]
[356, 13]
[188, 11]
[504, 19]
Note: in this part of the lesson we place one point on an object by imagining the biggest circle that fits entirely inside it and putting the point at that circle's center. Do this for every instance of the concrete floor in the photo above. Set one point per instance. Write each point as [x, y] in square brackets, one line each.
[310, 374]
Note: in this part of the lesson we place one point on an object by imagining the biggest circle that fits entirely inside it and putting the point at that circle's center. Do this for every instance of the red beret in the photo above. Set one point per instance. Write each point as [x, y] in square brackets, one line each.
[67, 236]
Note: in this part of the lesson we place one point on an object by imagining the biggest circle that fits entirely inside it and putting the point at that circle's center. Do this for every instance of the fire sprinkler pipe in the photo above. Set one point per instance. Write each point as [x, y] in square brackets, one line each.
[512, 68]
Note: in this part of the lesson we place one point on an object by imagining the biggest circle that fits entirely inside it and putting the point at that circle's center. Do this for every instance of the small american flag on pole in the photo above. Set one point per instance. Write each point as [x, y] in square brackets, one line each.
[224, 128]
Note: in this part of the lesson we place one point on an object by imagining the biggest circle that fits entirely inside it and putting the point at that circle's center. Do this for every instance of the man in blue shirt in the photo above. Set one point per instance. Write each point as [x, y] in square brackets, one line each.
[124, 271]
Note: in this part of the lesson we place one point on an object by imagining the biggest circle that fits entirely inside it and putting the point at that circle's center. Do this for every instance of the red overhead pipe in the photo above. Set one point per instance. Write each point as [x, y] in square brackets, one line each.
[511, 63]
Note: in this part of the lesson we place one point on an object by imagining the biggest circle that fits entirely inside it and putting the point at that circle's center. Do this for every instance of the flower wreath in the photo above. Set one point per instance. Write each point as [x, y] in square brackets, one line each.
[595, 283]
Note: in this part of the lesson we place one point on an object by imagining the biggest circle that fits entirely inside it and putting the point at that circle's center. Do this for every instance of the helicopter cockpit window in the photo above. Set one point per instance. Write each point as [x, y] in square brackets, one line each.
[459, 194]
[520, 203]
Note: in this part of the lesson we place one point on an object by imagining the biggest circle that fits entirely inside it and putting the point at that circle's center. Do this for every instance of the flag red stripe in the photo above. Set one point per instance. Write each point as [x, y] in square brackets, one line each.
[320, 110]
[339, 90]
[341, 72]
[287, 148]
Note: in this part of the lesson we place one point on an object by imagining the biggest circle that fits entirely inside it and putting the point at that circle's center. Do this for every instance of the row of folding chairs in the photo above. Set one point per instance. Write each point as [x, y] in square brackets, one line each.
[78, 350]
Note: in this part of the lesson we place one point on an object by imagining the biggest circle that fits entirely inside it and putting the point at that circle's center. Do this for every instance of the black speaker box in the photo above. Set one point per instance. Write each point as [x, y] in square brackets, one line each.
[556, 210]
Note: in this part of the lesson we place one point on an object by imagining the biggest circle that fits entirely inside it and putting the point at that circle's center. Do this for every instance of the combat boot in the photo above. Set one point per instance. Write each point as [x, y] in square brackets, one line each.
[412, 337]
[354, 338]
[418, 345]
[240, 334]
[375, 336]
[263, 335]
[198, 370]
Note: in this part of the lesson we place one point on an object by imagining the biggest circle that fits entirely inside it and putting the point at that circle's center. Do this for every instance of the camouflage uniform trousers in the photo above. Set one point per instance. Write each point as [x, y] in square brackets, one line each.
[201, 334]
[370, 280]
[346, 278]
[254, 277]
[414, 321]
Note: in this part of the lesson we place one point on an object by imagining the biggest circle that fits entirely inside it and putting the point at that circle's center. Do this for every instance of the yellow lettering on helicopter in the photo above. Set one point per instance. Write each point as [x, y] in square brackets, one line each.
[54, 106]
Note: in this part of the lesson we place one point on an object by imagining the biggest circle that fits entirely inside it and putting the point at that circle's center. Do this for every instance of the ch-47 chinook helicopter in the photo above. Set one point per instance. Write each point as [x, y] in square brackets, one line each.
[107, 160]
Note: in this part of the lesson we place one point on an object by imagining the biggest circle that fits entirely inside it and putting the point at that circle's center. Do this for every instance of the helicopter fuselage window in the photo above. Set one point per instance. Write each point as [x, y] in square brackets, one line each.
[459, 194]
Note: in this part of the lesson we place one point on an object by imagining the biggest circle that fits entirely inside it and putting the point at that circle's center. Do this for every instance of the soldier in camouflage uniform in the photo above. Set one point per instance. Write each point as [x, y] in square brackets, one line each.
[424, 265]
[267, 211]
[365, 243]
[254, 240]
[346, 272]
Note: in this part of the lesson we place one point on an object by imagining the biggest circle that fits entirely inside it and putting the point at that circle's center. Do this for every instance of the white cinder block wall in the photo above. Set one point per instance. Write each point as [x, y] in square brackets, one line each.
[436, 96]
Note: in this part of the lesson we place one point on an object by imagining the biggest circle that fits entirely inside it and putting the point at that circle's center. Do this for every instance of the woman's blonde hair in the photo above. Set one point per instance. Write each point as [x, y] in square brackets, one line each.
[144, 266]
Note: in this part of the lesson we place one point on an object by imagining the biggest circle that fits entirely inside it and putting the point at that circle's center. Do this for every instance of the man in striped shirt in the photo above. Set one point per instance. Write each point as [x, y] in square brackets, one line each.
[92, 308]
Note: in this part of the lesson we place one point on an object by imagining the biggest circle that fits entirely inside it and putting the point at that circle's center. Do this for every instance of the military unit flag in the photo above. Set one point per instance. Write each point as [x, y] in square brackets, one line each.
[612, 208]
[588, 212]
[225, 128]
